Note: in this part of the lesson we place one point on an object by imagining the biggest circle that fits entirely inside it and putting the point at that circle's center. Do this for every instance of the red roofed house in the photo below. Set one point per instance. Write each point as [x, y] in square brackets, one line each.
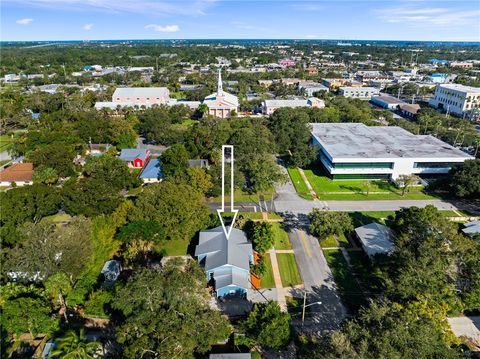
[19, 173]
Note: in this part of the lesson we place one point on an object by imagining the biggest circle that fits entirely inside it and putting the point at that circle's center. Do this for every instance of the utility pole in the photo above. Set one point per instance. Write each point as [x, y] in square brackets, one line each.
[304, 306]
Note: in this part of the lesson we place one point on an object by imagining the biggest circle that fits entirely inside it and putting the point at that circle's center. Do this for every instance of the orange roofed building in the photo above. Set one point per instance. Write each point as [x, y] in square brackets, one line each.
[19, 173]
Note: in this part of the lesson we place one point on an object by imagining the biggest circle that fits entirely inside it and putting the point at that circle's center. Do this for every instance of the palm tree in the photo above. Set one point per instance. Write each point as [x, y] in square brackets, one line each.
[74, 346]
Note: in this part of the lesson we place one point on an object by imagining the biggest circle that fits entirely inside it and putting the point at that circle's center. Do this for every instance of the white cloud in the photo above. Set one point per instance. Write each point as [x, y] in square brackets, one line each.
[429, 16]
[157, 7]
[311, 36]
[163, 28]
[24, 21]
[87, 27]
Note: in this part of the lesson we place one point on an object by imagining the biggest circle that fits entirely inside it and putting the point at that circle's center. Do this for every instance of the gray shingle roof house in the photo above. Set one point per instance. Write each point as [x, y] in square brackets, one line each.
[226, 261]
[375, 238]
[472, 228]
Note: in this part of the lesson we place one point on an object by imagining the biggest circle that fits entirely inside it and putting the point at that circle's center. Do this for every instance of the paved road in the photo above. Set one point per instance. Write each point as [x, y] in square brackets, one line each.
[261, 206]
[318, 282]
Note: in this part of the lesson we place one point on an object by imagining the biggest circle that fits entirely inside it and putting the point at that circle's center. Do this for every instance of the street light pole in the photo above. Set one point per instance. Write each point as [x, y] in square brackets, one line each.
[305, 306]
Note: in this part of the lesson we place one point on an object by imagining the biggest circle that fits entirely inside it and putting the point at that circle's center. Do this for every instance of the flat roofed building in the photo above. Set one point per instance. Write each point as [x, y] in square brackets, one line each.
[269, 106]
[354, 150]
[456, 99]
[386, 101]
[364, 93]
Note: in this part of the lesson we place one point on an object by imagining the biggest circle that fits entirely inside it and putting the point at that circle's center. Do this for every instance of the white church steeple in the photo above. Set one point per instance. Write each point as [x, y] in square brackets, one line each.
[219, 85]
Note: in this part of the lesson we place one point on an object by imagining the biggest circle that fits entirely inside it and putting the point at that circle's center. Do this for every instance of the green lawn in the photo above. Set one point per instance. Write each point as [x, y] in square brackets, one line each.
[267, 280]
[6, 142]
[297, 180]
[370, 275]
[348, 287]
[59, 217]
[363, 218]
[274, 215]
[328, 242]
[343, 240]
[374, 197]
[281, 237]
[173, 247]
[324, 186]
[189, 122]
[288, 269]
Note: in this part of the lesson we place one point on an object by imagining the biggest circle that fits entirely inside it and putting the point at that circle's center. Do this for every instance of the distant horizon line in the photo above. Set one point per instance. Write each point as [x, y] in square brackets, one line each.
[242, 39]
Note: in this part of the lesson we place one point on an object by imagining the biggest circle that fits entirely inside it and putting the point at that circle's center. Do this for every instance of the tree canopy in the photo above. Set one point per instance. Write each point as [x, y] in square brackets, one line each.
[161, 323]
[177, 208]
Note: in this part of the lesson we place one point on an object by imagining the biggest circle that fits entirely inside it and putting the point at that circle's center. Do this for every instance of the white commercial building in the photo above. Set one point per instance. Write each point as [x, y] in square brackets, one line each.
[456, 99]
[269, 106]
[364, 93]
[357, 151]
[136, 96]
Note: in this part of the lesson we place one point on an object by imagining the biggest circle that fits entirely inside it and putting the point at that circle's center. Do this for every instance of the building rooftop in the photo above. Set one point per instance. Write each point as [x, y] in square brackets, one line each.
[472, 228]
[356, 140]
[355, 88]
[141, 92]
[153, 169]
[459, 87]
[17, 172]
[129, 154]
[387, 99]
[376, 238]
[219, 250]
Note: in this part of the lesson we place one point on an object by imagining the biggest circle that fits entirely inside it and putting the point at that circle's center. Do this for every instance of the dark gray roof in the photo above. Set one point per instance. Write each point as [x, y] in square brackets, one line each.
[219, 251]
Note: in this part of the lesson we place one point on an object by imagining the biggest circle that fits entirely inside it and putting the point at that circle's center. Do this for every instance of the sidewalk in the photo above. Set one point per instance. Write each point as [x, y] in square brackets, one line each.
[278, 281]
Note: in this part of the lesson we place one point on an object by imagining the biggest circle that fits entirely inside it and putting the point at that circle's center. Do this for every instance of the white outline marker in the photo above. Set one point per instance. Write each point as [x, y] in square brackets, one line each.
[232, 209]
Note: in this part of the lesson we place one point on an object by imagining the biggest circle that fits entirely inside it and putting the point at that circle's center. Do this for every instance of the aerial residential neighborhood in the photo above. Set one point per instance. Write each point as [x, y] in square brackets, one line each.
[238, 180]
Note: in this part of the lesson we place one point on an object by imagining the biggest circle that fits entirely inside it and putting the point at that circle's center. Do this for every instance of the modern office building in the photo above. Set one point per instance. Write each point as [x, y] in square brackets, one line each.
[357, 151]
[364, 93]
[457, 99]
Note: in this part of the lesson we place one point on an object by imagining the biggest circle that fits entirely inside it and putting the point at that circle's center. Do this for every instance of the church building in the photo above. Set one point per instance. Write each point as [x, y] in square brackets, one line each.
[221, 104]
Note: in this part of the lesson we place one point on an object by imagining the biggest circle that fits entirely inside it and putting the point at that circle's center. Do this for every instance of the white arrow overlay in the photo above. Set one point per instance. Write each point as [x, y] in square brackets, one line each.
[232, 209]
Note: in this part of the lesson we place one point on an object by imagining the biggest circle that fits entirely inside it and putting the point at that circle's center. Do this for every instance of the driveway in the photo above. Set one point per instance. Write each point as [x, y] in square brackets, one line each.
[318, 282]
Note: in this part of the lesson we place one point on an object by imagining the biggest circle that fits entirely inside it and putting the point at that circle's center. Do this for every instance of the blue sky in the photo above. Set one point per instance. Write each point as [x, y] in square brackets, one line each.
[190, 19]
